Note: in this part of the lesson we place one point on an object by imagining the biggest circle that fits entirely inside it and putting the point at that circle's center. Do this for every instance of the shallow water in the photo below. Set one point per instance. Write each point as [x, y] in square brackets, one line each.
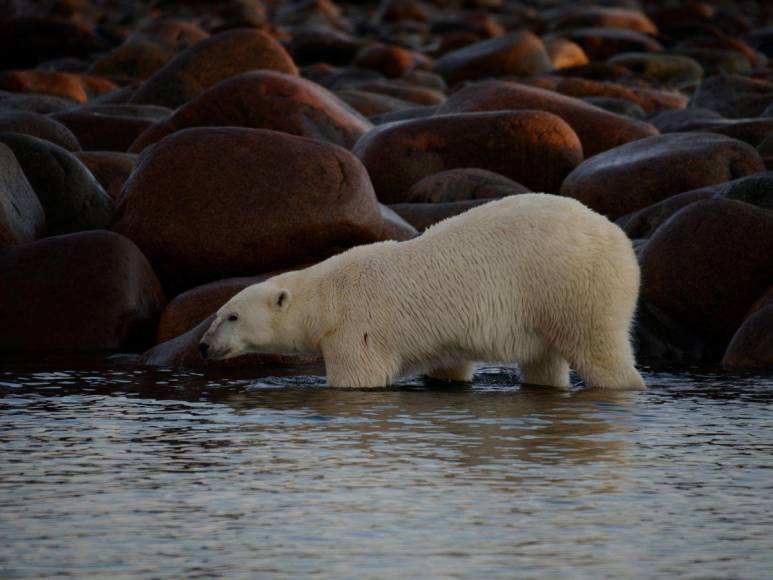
[136, 473]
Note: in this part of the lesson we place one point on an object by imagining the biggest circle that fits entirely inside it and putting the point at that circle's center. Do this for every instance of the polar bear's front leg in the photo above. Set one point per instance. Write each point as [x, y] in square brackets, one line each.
[348, 364]
[462, 372]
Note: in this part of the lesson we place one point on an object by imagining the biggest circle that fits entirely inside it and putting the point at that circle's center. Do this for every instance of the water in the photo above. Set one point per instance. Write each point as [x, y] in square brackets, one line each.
[125, 473]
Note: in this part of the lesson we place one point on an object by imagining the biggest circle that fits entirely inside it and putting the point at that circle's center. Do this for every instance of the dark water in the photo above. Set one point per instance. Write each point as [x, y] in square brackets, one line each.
[128, 473]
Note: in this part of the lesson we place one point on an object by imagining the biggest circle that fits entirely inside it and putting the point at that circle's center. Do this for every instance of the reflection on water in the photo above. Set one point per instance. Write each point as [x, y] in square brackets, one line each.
[132, 473]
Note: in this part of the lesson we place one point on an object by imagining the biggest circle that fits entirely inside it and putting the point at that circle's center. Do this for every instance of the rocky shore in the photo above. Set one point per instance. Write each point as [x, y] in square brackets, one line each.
[157, 157]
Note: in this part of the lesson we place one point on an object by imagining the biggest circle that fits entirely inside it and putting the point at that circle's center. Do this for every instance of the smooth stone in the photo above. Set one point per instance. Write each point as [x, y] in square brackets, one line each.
[21, 216]
[681, 120]
[463, 184]
[617, 106]
[90, 291]
[752, 345]
[413, 112]
[39, 126]
[72, 199]
[137, 60]
[603, 17]
[643, 222]
[315, 44]
[391, 61]
[649, 100]
[734, 96]
[423, 215]
[110, 168]
[601, 44]
[564, 53]
[715, 61]
[669, 69]
[647, 171]
[76, 87]
[372, 104]
[534, 148]
[403, 90]
[97, 131]
[32, 103]
[394, 226]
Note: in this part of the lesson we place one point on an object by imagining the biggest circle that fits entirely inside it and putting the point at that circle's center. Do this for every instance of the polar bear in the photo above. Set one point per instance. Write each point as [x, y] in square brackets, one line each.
[536, 279]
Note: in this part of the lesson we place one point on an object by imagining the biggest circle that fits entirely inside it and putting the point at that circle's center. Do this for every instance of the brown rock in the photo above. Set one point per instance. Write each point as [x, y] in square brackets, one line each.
[77, 87]
[96, 131]
[603, 43]
[39, 126]
[518, 54]
[391, 61]
[532, 147]
[319, 44]
[110, 168]
[650, 100]
[644, 172]
[604, 17]
[463, 184]
[597, 129]
[175, 34]
[266, 100]
[370, 104]
[752, 345]
[138, 60]
[405, 91]
[565, 53]
[206, 204]
[21, 215]
[182, 351]
[86, 291]
[709, 263]
[210, 61]
[423, 215]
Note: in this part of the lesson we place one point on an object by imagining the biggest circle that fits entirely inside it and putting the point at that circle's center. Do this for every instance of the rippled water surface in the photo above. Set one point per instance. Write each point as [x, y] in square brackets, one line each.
[132, 473]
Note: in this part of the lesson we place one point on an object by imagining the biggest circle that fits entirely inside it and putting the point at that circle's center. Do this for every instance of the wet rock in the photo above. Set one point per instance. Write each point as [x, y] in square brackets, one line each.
[733, 96]
[86, 291]
[678, 121]
[708, 264]
[597, 129]
[318, 44]
[601, 44]
[391, 61]
[752, 345]
[516, 54]
[266, 100]
[210, 61]
[21, 215]
[39, 126]
[604, 17]
[76, 87]
[182, 351]
[273, 200]
[535, 148]
[96, 131]
[565, 53]
[28, 41]
[394, 226]
[423, 215]
[668, 69]
[644, 172]
[110, 168]
[71, 197]
[463, 184]
[31, 103]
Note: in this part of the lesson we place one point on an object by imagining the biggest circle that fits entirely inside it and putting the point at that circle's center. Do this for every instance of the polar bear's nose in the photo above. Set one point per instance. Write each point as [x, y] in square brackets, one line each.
[203, 349]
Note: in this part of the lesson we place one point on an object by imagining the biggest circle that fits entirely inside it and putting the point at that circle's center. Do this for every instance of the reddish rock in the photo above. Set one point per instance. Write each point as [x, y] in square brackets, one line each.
[76, 87]
[182, 351]
[532, 147]
[86, 291]
[110, 168]
[21, 215]
[565, 53]
[517, 54]
[709, 263]
[644, 172]
[27, 41]
[206, 204]
[650, 100]
[752, 345]
[210, 61]
[391, 61]
[603, 43]
[734, 96]
[405, 91]
[463, 184]
[266, 100]
[71, 198]
[423, 215]
[38, 126]
[604, 17]
[96, 131]
[597, 129]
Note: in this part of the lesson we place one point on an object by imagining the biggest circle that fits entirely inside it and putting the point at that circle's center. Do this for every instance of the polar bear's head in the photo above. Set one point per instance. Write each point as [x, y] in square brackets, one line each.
[255, 320]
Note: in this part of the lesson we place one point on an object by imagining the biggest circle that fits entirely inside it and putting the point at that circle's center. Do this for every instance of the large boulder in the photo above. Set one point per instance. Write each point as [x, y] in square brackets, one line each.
[21, 216]
[517, 54]
[86, 291]
[39, 126]
[266, 100]
[644, 172]
[211, 203]
[534, 148]
[708, 264]
[110, 168]
[73, 200]
[597, 129]
[210, 61]
[752, 345]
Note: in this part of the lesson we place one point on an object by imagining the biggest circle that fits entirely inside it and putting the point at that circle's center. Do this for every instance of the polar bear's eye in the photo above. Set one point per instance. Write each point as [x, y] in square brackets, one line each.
[233, 318]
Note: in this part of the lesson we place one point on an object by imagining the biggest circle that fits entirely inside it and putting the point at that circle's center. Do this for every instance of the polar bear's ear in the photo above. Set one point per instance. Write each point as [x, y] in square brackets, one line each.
[282, 298]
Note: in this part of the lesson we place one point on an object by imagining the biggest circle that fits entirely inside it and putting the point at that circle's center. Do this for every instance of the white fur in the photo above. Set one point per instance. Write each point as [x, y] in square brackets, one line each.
[536, 279]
